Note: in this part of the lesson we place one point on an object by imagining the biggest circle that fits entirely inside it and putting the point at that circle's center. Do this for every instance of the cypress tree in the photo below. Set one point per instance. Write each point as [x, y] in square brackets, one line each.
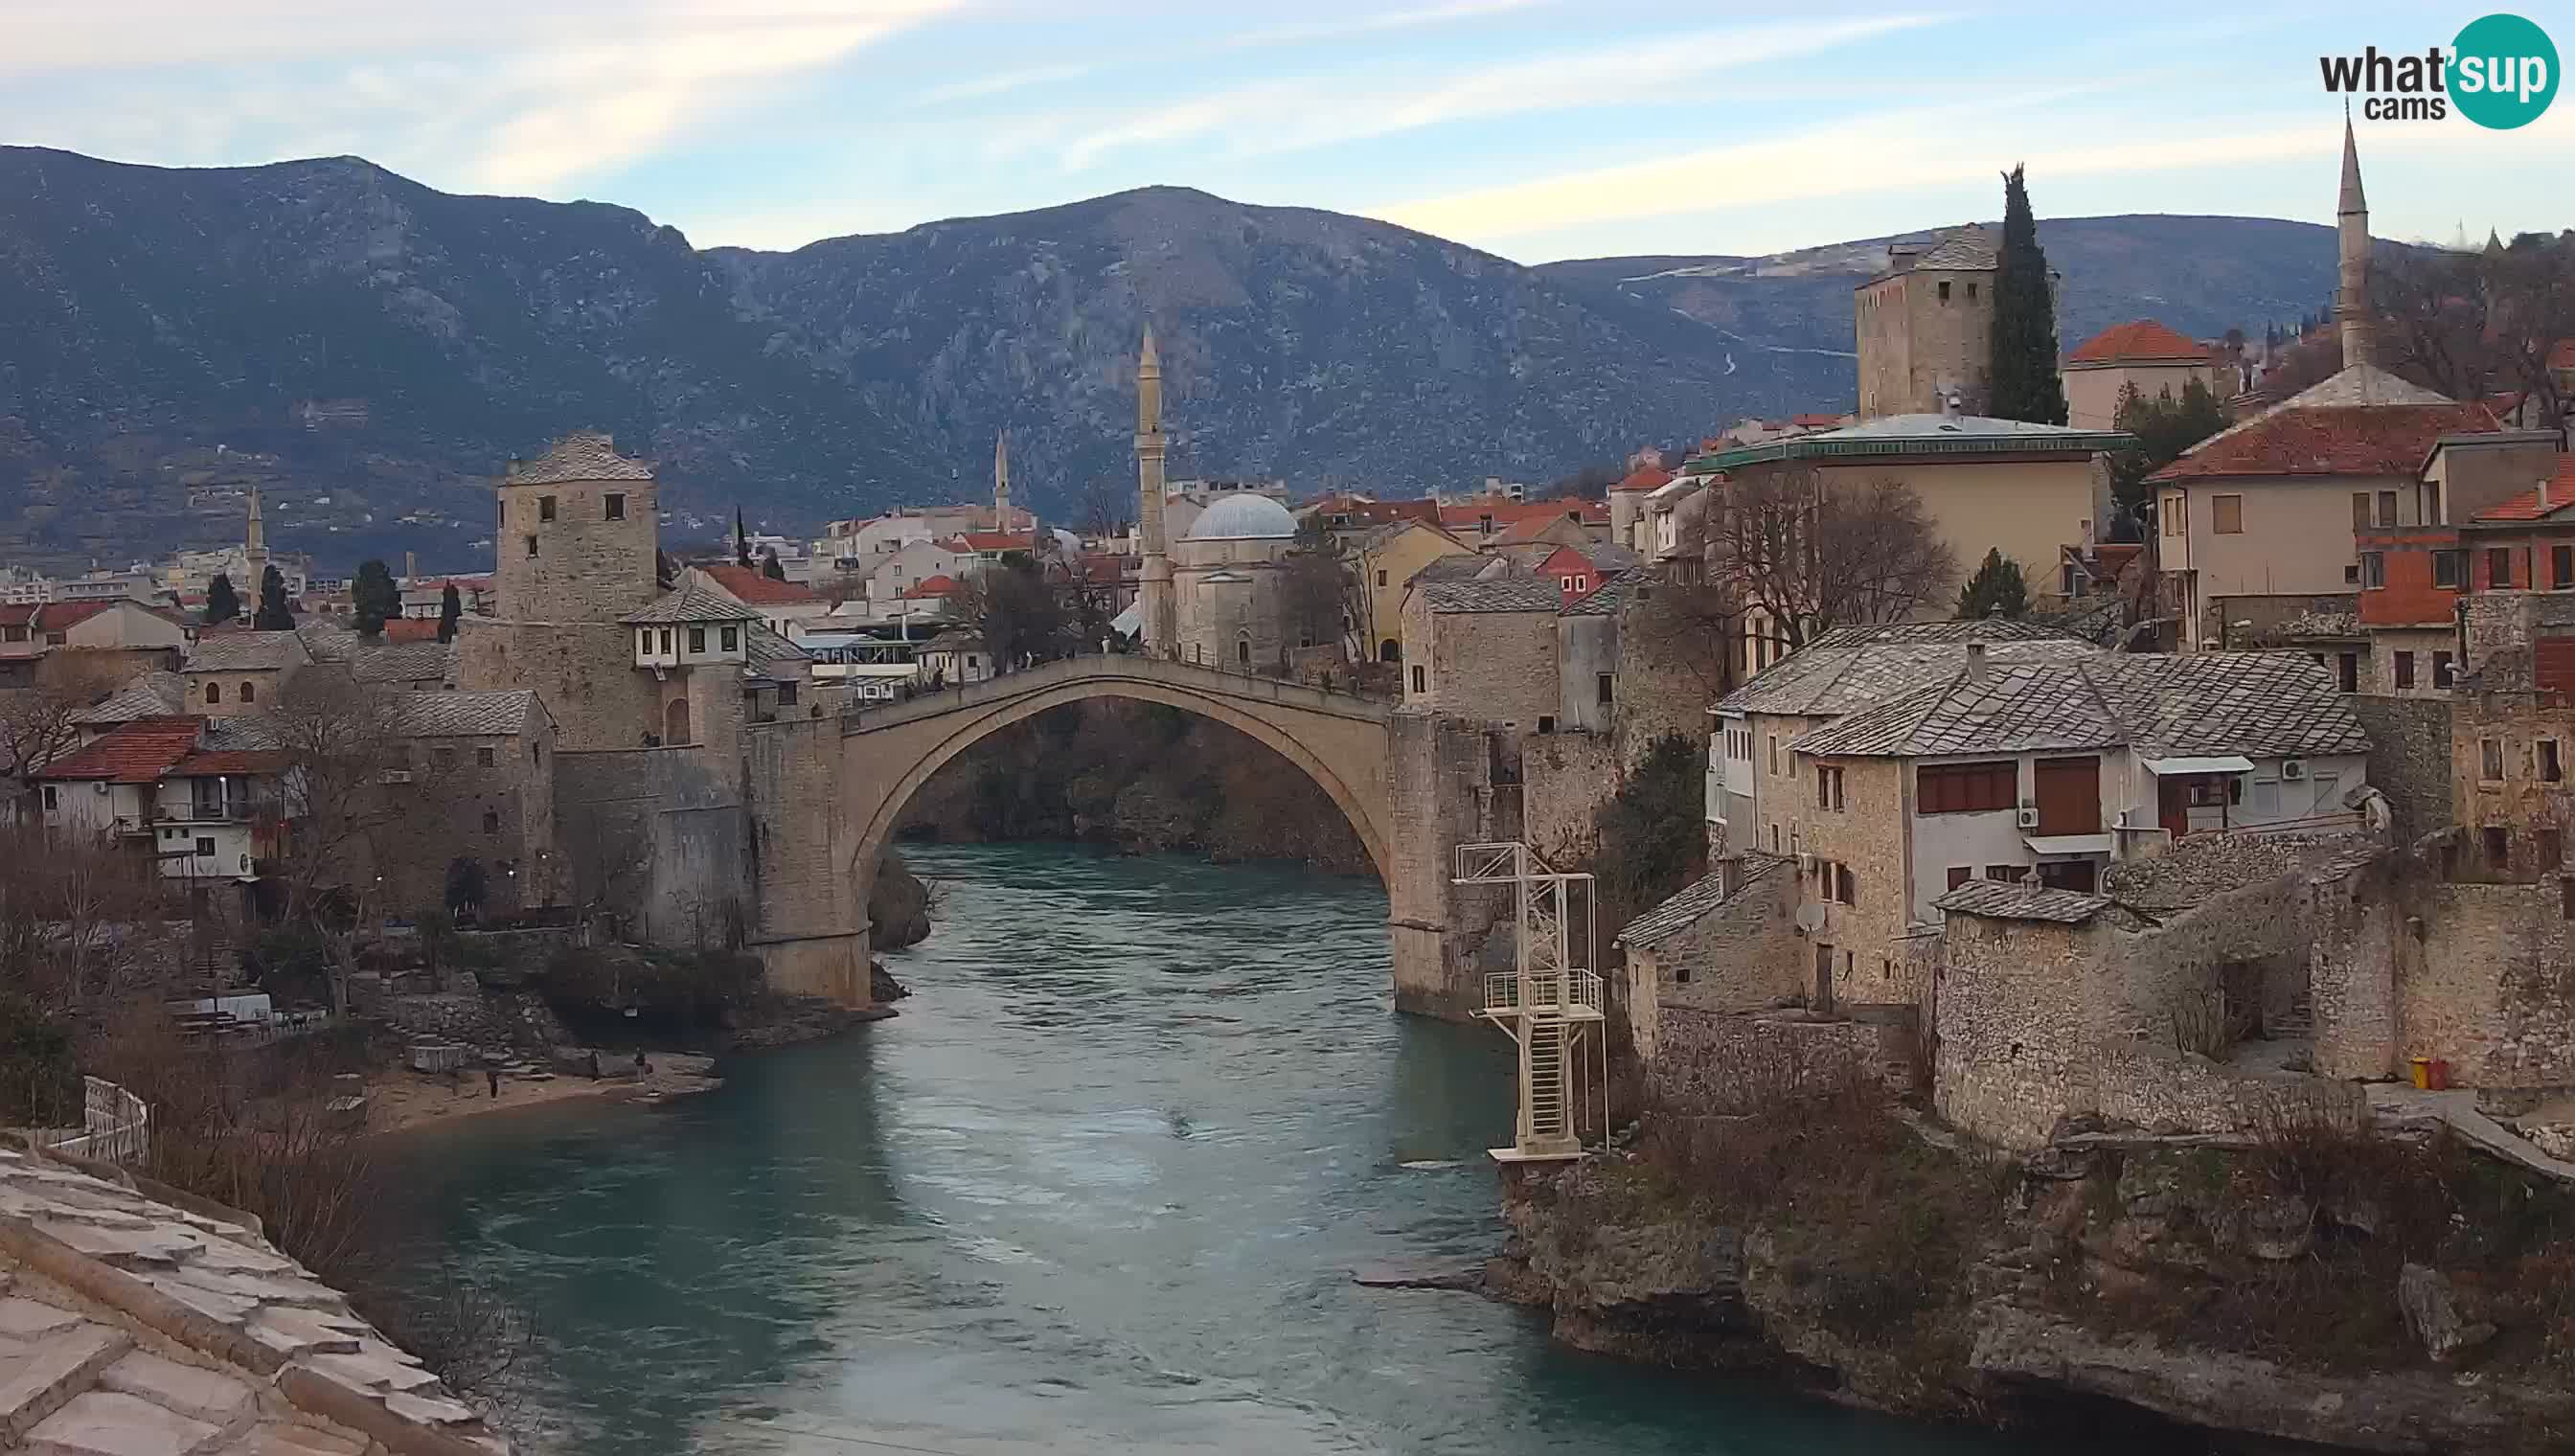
[376, 597]
[741, 539]
[223, 604]
[273, 613]
[1996, 590]
[450, 609]
[770, 568]
[2025, 382]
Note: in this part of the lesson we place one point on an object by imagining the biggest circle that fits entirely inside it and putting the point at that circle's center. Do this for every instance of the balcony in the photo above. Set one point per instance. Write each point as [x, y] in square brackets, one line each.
[1504, 995]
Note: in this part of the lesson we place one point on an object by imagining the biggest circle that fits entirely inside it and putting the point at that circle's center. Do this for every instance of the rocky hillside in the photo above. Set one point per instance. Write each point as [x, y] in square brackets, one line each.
[371, 350]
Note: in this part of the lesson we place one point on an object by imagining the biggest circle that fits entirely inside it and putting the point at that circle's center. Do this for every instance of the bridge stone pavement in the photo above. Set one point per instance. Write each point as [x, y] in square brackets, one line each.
[824, 794]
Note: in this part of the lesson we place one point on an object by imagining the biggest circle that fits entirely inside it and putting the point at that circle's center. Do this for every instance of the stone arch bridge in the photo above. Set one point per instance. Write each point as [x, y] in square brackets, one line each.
[824, 794]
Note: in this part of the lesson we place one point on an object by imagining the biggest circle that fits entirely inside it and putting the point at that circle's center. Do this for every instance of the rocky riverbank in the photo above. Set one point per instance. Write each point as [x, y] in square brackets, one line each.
[2303, 1290]
[1145, 779]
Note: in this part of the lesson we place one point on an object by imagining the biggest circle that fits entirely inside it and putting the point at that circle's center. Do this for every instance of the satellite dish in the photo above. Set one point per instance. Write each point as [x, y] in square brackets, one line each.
[1810, 918]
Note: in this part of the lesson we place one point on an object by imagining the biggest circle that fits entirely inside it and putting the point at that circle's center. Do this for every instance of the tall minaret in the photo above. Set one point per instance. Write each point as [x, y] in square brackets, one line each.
[2351, 224]
[1161, 623]
[253, 551]
[1002, 480]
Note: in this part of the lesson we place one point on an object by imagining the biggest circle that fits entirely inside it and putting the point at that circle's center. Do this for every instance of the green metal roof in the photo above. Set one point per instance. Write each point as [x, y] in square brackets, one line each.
[1896, 436]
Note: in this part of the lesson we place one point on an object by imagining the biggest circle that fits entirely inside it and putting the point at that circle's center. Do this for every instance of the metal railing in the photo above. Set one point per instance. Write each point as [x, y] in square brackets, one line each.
[116, 1125]
[1504, 993]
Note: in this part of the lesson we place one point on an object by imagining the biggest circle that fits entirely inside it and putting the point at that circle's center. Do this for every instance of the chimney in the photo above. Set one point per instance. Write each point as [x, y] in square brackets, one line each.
[410, 565]
[2543, 496]
[1975, 662]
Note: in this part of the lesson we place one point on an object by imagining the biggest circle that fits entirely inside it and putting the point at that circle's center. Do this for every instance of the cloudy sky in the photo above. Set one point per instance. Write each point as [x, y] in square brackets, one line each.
[1539, 129]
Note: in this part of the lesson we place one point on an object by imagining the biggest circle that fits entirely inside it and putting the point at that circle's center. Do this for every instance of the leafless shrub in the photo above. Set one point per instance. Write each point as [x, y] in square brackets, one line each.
[2197, 1020]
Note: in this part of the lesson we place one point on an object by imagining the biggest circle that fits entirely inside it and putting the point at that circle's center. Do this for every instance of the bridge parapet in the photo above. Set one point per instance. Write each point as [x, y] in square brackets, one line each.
[1112, 668]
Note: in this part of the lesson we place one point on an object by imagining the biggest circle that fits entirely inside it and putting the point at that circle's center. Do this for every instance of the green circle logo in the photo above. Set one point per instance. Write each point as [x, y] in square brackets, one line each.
[2503, 73]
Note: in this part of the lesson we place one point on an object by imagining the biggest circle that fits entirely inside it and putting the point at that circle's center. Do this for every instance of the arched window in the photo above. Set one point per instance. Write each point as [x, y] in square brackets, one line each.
[214, 693]
[1242, 650]
[674, 724]
[1389, 650]
[250, 692]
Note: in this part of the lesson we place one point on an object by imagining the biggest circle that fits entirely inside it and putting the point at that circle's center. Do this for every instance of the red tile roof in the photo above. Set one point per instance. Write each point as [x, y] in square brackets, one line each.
[1535, 528]
[994, 540]
[1645, 478]
[410, 629]
[1508, 514]
[941, 585]
[747, 586]
[21, 615]
[1376, 513]
[1815, 421]
[2142, 339]
[57, 615]
[2335, 440]
[141, 752]
[2543, 502]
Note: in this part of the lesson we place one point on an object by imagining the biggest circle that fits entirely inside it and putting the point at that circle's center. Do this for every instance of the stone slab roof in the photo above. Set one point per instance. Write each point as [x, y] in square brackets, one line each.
[1607, 599]
[413, 662]
[2260, 705]
[765, 649]
[2210, 864]
[1836, 675]
[584, 454]
[1694, 901]
[690, 605]
[247, 651]
[465, 715]
[152, 694]
[2000, 902]
[1464, 566]
[1495, 593]
[134, 1326]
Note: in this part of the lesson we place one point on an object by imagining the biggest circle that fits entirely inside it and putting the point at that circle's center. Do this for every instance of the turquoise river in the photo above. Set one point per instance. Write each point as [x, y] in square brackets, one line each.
[1098, 1190]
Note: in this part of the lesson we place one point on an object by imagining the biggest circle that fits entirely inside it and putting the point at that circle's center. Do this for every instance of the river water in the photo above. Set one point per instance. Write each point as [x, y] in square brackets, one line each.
[1098, 1190]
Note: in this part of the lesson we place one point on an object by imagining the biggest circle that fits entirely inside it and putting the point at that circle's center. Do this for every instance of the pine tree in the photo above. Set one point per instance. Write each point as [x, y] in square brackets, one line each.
[1996, 590]
[770, 568]
[2025, 382]
[376, 597]
[450, 609]
[273, 613]
[223, 604]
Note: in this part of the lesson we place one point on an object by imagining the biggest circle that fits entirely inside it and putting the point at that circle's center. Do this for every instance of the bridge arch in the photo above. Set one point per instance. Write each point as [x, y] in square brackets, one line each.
[1361, 804]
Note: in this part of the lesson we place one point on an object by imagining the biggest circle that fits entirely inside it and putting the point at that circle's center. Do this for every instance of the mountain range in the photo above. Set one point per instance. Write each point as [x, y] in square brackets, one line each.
[371, 351]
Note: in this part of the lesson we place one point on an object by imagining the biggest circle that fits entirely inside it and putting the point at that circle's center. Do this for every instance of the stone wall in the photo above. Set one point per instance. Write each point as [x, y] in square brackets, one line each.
[2167, 1091]
[2498, 629]
[1447, 793]
[584, 672]
[1670, 667]
[1713, 1064]
[518, 1019]
[1868, 832]
[499, 814]
[2014, 1045]
[810, 888]
[2494, 991]
[2409, 758]
[658, 837]
[1564, 778]
[1743, 956]
[584, 567]
[1494, 666]
[2527, 730]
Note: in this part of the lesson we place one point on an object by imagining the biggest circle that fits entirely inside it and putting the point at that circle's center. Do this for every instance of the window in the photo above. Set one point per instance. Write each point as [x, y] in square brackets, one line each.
[51, 800]
[1604, 688]
[697, 638]
[2386, 508]
[2226, 515]
[1775, 755]
[532, 545]
[616, 508]
[491, 822]
[1972, 292]
[1959, 874]
[787, 695]
[1945, 789]
[2499, 568]
[730, 636]
[1380, 579]
[643, 641]
[250, 692]
[1944, 291]
[442, 755]
[2549, 771]
[2006, 873]
[2445, 569]
[1847, 885]
[2404, 670]
[2360, 510]
[2441, 669]
[2171, 514]
[2498, 847]
[1547, 723]
[666, 641]
[2552, 848]
[205, 844]
[2373, 569]
[545, 508]
[2561, 568]
[486, 757]
[1420, 678]
[214, 693]
[1829, 787]
[2432, 505]
[2490, 760]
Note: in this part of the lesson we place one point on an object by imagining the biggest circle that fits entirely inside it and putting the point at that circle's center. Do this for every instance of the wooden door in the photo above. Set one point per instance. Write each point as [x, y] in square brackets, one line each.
[2069, 795]
[2553, 664]
[2172, 805]
[1823, 979]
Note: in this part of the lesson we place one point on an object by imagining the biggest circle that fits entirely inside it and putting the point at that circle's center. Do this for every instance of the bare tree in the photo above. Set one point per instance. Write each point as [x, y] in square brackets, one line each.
[1812, 554]
[37, 725]
[2474, 325]
[1320, 590]
[1104, 503]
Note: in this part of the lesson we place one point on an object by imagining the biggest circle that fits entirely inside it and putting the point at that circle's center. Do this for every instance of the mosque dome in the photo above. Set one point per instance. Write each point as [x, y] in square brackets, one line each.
[1244, 518]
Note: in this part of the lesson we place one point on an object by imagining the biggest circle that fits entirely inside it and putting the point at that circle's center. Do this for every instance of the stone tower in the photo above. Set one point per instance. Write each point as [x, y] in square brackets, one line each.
[1161, 620]
[1002, 480]
[2351, 225]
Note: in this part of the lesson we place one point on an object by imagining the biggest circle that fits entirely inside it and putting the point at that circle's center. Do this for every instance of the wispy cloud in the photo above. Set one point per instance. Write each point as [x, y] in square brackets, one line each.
[1304, 32]
[999, 81]
[1296, 113]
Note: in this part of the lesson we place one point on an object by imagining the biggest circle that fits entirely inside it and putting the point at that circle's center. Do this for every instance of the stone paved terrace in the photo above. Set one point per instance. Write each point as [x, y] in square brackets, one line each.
[134, 1327]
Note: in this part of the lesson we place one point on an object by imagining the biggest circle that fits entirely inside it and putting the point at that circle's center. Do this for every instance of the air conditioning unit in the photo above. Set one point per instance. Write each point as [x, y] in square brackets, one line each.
[2028, 818]
[397, 775]
[2293, 768]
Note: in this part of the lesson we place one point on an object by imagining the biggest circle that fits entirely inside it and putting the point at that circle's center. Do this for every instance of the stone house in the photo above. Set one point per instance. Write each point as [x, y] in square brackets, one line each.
[2047, 771]
[482, 789]
[1724, 943]
[1484, 649]
[1752, 782]
[2142, 354]
[240, 672]
[954, 659]
[1628, 522]
[695, 645]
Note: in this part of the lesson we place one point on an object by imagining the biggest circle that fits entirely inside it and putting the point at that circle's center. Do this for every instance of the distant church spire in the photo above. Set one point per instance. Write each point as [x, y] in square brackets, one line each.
[1002, 480]
[2352, 230]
